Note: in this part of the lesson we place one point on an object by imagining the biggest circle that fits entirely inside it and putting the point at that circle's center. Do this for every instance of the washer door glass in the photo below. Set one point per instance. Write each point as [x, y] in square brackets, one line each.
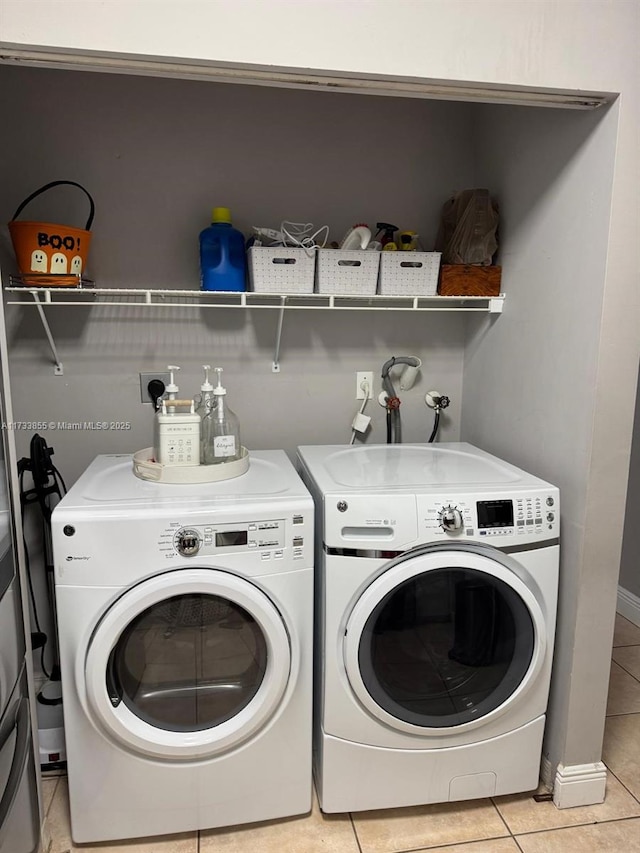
[188, 663]
[444, 647]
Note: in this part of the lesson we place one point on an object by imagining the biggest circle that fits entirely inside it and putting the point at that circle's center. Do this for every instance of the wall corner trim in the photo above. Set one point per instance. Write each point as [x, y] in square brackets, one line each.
[579, 785]
[547, 771]
[628, 605]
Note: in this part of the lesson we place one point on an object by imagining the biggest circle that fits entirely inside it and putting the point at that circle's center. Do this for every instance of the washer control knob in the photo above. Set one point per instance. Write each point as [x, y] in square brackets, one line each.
[342, 506]
[550, 516]
[451, 519]
[550, 501]
[188, 542]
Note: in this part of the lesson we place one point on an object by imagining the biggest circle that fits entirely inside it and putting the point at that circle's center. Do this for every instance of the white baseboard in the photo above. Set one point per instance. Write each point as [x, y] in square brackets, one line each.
[579, 785]
[629, 606]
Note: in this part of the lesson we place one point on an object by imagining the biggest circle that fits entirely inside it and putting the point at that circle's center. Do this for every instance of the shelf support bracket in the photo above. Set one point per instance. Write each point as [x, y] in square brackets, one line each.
[275, 367]
[495, 306]
[58, 369]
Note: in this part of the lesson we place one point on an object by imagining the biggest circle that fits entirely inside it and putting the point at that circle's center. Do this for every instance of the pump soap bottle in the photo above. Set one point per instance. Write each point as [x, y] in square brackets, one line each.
[177, 434]
[223, 430]
[207, 403]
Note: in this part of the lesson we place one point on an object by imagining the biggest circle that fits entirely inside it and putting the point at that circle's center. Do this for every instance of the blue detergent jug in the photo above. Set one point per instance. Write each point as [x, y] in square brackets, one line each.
[222, 254]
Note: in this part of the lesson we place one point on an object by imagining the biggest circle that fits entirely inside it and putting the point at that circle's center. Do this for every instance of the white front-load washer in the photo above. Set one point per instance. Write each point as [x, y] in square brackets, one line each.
[185, 623]
[436, 593]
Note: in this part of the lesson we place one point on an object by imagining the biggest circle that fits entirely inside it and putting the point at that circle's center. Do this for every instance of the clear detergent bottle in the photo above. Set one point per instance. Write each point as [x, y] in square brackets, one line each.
[222, 428]
[205, 406]
[222, 254]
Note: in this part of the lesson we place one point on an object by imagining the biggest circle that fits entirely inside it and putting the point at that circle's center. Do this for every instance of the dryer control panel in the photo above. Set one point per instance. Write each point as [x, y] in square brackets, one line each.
[230, 538]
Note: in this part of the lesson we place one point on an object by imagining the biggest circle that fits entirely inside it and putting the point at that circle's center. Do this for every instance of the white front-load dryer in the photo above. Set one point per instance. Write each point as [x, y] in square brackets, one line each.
[436, 594]
[185, 625]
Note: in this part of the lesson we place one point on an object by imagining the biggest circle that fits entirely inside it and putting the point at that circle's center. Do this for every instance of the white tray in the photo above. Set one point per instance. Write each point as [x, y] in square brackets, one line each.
[146, 469]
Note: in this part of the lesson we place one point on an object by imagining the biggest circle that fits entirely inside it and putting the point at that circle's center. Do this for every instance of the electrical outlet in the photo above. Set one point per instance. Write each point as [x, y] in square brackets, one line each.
[362, 376]
[145, 379]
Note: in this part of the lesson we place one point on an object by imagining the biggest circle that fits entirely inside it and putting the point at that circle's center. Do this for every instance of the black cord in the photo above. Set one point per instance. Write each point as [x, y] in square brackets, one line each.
[31, 590]
[436, 424]
[41, 467]
[388, 426]
[57, 474]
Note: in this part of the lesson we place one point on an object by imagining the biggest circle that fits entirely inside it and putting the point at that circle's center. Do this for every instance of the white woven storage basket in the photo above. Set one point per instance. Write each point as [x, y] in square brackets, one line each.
[281, 269]
[409, 273]
[352, 272]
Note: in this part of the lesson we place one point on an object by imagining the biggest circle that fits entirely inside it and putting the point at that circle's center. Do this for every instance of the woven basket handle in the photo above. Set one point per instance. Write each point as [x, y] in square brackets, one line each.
[56, 184]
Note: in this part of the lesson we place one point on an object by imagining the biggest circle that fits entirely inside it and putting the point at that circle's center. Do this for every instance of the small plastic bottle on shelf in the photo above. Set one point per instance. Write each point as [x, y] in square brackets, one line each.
[222, 428]
[222, 254]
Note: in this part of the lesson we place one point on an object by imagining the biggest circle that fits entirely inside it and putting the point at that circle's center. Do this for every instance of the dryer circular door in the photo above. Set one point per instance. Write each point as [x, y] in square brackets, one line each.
[187, 664]
[444, 639]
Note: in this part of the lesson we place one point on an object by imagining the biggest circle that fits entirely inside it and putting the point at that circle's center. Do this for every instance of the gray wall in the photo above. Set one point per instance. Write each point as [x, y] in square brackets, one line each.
[538, 366]
[630, 563]
[157, 155]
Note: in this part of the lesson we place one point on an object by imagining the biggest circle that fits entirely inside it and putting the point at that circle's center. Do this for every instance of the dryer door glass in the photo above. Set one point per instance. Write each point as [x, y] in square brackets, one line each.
[188, 663]
[446, 647]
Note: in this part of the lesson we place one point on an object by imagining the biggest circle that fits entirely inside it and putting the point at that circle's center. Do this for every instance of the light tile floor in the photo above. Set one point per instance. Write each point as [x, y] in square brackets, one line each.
[498, 825]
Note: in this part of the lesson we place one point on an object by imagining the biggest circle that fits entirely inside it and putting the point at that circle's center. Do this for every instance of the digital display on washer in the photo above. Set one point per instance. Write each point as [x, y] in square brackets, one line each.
[494, 514]
[231, 537]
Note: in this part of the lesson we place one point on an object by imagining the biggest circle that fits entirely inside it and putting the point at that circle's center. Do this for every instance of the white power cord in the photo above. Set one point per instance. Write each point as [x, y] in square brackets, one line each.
[361, 421]
[302, 234]
[297, 234]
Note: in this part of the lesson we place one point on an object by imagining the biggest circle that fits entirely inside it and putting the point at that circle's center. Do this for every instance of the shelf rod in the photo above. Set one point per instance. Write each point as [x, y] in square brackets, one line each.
[275, 367]
[58, 369]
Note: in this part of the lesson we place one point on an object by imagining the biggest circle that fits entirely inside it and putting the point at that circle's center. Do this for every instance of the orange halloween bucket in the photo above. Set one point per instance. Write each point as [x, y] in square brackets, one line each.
[57, 254]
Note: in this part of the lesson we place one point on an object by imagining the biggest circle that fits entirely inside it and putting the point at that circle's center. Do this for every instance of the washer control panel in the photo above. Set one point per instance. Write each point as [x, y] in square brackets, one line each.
[531, 515]
[230, 538]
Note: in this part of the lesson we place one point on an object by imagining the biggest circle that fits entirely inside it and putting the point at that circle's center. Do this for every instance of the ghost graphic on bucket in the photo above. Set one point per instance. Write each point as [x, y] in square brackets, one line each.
[38, 261]
[76, 265]
[58, 263]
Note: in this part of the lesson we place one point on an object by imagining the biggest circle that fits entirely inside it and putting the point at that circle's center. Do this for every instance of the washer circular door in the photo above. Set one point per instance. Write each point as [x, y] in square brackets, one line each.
[444, 638]
[187, 664]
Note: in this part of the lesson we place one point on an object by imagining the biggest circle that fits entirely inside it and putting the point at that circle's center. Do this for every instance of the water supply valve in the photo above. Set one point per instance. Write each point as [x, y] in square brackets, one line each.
[436, 400]
[389, 403]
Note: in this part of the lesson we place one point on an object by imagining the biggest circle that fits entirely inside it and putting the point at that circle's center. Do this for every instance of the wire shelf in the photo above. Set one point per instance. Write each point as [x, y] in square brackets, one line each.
[90, 295]
[86, 294]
